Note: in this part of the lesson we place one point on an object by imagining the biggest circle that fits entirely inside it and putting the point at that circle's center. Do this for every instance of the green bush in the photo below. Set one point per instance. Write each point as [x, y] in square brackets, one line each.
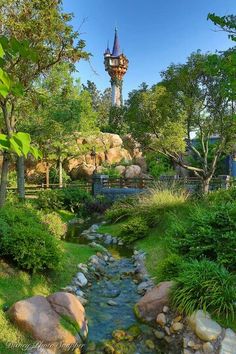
[135, 228]
[205, 285]
[110, 171]
[210, 233]
[69, 199]
[25, 241]
[99, 205]
[170, 267]
[50, 200]
[121, 209]
[221, 196]
[159, 165]
[54, 224]
[75, 199]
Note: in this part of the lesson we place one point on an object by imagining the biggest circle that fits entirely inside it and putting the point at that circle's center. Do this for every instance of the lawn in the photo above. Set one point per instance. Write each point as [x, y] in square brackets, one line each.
[16, 285]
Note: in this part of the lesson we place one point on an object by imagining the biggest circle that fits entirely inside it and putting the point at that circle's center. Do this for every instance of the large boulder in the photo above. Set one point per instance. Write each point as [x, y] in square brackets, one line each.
[117, 154]
[56, 320]
[83, 170]
[141, 161]
[120, 169]
[152, 303]
[132, 146]
[67, 305]
[115, 140]
[133, 171]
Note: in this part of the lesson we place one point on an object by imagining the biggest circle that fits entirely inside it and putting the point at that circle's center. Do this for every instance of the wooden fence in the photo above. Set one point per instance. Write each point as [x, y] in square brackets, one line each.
[190, 183]
[32, 190]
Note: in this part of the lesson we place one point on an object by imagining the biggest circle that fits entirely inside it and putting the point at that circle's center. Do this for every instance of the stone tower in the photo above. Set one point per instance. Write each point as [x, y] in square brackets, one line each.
[116, 64]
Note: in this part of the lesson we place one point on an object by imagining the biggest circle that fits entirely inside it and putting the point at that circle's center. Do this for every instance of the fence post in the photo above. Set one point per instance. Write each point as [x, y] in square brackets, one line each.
[98, 183]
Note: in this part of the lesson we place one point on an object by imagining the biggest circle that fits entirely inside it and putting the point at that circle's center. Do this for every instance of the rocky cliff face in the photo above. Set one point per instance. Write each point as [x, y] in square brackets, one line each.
[124, 154]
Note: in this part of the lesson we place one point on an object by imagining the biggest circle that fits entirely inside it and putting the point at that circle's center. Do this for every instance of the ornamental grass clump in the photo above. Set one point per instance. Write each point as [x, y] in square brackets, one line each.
[205, 285]
[159, 200]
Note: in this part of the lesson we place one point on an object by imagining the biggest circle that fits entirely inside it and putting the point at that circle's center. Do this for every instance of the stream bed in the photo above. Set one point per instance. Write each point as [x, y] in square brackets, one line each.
[111, 296]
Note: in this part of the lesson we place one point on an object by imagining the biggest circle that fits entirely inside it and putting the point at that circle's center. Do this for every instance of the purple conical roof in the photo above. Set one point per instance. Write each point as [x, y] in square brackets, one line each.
[116, 47]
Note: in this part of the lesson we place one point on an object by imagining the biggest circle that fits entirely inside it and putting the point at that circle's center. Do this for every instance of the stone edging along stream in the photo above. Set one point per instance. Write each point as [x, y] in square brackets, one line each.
[110, 287]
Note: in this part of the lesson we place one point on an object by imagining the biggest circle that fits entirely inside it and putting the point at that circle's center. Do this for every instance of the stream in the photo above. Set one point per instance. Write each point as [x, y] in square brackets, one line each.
[112, 294]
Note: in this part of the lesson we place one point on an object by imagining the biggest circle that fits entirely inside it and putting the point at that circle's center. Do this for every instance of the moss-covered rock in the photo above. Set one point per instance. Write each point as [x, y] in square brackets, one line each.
[134, 331]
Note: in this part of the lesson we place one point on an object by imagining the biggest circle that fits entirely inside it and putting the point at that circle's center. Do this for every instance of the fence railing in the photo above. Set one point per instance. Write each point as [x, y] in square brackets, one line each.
[190, 183]
[122, 182]
[34, 189]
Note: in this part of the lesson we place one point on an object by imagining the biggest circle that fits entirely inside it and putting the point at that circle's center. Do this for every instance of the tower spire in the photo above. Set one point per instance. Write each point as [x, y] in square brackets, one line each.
[116, 46]
[116, 64]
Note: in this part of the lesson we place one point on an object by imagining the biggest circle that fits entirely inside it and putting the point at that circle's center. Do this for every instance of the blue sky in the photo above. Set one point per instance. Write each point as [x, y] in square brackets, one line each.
[152, 33]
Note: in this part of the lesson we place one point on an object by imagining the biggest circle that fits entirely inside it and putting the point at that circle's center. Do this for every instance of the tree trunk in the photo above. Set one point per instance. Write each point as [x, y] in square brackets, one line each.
[47, 175]
[4, 174]
[60, 173]
[21, 177]
[206, 185]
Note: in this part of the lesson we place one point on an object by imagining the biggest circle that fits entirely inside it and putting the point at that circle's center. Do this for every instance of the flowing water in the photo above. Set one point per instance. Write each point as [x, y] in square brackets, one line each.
[111, 300]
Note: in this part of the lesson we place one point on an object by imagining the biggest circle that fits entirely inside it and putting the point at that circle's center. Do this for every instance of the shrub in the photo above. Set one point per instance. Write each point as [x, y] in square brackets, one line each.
[210, 233]
[54, 224]
[135, 228]
[50, 200]
[75, 199]
[70, 199]
[97, 205]
[221, 196]
[25, 241]
[205, 285]
[159, 165]
[121, 209]
[170, 267]
[110, 171]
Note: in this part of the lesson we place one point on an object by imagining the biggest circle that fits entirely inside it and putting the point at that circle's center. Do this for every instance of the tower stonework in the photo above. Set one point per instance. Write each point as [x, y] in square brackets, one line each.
[116, 64]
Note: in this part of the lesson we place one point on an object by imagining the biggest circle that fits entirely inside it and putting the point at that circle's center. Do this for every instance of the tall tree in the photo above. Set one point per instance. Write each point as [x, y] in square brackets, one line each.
[187, 100]
[101, 103]
[44, 27]
[59, 110]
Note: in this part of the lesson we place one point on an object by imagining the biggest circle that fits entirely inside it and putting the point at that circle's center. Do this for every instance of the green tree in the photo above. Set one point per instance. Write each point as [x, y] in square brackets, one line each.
[101, 102]
[226, 62]
[187, 100]
[58, 112]
[18, 143]
[226, 23]
[42, 26]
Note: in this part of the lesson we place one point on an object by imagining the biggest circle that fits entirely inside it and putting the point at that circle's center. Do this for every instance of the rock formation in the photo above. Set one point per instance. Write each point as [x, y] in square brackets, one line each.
[110, 150]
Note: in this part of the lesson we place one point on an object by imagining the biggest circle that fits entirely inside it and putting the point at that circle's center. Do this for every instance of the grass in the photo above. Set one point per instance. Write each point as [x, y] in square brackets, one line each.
[113, 229]
[66, 215]
[16, 285]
